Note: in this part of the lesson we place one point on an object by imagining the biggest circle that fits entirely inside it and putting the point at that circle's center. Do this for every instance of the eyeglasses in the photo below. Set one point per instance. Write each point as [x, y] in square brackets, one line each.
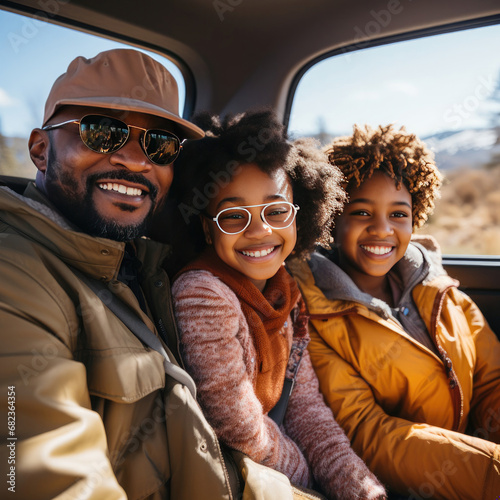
[107, 135]
[277, 215]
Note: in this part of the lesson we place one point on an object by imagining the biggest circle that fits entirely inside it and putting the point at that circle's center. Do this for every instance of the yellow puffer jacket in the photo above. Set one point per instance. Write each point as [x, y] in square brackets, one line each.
[405, 408]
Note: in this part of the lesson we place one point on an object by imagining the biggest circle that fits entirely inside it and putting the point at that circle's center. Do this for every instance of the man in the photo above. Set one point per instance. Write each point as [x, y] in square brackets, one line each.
[90, 410]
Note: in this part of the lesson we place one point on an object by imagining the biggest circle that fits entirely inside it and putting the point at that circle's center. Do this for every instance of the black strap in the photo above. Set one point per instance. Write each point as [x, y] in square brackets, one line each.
[277, 412]
[138, 328]
[299, 344]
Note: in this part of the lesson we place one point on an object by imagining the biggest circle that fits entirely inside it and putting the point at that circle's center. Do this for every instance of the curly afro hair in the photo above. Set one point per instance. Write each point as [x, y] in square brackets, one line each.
[397, 153]
[257, 137]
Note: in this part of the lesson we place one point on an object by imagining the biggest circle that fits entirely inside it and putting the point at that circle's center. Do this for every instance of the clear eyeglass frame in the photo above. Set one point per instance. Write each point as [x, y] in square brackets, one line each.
[264, 206]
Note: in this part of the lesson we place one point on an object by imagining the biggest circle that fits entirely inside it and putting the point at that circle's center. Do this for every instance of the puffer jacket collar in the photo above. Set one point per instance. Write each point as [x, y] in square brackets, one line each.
[418, 265]
[32, 215]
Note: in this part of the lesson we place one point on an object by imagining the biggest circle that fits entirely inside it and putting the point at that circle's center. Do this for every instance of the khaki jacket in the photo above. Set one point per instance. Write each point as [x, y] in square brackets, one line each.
[404, 407]
[91, 413]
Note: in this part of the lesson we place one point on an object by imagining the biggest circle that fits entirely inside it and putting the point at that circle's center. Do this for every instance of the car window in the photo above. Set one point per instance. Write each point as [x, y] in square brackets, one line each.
[33, 54]
[446, 89]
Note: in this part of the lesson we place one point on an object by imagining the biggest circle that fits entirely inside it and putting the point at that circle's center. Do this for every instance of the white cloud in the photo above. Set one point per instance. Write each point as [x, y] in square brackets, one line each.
[6, 99]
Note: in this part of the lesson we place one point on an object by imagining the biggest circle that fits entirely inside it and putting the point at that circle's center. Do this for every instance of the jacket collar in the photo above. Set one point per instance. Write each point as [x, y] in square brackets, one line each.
[418, 265]
[32, 215]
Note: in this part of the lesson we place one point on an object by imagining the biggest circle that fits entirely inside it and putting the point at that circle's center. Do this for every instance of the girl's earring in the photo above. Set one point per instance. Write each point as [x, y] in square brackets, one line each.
[208, 239]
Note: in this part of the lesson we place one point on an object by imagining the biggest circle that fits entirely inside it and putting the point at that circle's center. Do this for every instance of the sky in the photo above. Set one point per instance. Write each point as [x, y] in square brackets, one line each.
[428, 85]
[33, 55]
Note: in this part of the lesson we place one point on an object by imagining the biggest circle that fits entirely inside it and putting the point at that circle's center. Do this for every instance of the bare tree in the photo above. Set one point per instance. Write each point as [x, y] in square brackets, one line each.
[495, 113]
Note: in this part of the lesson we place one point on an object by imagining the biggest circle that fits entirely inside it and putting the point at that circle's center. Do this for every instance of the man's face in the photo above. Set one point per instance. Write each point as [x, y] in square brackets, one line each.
[108, 195]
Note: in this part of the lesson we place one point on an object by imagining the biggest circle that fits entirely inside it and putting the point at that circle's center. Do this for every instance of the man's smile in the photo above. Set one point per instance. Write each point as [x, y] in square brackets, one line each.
[123, 190]
[120, 188]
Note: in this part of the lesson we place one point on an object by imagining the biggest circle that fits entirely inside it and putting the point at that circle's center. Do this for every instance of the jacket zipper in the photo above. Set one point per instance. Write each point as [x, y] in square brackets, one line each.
[223, 462]
[170, 314]
[455, 387]
[454, 383]
[163, 334]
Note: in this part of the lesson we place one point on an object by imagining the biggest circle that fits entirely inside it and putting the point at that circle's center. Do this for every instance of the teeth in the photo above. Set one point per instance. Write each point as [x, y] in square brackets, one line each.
[120, 188]
[377, 250]
[258, 253]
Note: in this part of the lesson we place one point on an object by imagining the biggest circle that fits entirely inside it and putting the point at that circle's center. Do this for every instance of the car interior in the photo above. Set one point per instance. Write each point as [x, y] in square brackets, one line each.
[239, 54]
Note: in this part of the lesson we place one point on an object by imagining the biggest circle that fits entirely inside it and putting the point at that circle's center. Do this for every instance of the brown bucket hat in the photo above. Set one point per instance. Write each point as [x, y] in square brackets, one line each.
[123, 79]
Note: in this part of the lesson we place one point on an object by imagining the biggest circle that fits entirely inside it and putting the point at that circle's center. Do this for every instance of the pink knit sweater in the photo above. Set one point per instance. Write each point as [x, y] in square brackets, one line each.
[310, 448]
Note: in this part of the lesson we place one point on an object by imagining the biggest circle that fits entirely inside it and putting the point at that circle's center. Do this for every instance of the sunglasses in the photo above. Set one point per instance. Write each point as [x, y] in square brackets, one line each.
[107, 135]
[277, 215]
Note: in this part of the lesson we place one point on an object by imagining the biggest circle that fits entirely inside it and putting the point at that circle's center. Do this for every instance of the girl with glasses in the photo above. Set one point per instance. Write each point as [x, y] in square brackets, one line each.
[246, 199]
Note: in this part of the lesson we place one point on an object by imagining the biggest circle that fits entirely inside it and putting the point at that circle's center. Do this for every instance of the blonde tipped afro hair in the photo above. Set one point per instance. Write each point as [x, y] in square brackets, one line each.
[397, 153]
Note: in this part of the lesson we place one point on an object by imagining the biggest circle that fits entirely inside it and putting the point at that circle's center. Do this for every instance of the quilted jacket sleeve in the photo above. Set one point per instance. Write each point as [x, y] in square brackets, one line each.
[485, 404]
[401, 452]
[340, 473]
[210, 321]
[60, 446]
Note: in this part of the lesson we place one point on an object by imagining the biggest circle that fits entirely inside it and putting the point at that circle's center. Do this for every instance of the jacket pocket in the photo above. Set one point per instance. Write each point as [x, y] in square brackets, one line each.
[124, 374]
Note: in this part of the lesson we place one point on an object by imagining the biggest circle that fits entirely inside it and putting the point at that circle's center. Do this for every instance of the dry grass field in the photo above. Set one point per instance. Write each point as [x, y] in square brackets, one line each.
[467, 217]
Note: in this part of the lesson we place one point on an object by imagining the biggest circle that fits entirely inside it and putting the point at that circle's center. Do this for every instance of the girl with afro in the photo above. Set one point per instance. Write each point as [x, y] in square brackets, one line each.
[405, 360]
[246, 199]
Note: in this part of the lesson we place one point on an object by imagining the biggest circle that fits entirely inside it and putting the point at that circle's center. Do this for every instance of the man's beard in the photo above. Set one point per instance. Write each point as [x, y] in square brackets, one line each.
[64, 192]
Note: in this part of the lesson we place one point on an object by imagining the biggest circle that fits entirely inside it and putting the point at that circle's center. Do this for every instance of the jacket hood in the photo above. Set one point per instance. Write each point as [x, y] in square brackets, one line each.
[420, 264]
[34, 217]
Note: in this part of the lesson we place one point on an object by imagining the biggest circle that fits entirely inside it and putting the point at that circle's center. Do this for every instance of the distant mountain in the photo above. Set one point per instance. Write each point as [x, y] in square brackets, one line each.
[472, 148]
[469, 148]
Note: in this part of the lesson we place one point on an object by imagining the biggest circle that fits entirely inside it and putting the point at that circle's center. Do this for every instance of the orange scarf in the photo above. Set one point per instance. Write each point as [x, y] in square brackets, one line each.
[266, 314]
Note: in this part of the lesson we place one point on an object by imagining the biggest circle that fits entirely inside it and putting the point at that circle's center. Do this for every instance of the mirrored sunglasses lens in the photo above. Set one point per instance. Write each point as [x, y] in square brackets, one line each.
[103, 134]
[233, 221]
[279, 214]
[161, 147]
